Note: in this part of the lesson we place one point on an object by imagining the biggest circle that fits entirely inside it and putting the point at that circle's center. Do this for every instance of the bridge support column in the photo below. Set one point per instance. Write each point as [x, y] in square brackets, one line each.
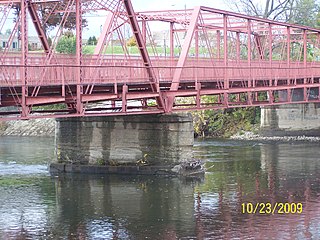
[143, 144]
[291, 120]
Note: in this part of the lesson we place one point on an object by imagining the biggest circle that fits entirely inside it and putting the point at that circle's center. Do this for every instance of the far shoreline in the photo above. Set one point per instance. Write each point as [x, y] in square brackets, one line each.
[250, 136]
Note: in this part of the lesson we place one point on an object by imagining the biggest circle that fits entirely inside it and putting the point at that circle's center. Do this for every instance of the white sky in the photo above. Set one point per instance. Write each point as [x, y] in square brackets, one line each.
[142, 5]
[95, 22]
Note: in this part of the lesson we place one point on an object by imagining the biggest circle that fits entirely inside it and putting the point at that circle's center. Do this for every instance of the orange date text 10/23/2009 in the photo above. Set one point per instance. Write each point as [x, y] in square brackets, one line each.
[271, 208]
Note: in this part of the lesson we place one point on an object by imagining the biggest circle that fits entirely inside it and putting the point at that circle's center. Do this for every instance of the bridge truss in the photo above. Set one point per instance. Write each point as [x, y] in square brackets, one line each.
[207, 59]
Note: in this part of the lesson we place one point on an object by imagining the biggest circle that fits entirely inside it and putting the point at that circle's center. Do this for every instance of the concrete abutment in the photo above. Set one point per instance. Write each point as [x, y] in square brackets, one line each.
[291, 120]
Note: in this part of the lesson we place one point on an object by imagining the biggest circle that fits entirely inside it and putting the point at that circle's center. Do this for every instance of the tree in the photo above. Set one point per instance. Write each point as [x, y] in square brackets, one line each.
[51, 15]
[294, 11]
[54, 20]
[306, 13]
[132, 42]
[94, 40]
[90, 41]
[66, 44]
[272, 9]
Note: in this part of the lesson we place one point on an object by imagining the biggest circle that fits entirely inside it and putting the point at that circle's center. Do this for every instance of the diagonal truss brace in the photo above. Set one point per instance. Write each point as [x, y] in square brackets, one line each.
[183, 56]
[185, 49]
[37, 25]
[143, 51]
[106, 29]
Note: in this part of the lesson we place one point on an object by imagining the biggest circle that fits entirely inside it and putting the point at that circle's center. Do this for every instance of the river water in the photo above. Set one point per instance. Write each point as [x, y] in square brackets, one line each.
[35, 205]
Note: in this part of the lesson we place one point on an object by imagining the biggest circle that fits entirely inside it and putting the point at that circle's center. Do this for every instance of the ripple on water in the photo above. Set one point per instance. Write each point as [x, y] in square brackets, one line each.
[20, 169]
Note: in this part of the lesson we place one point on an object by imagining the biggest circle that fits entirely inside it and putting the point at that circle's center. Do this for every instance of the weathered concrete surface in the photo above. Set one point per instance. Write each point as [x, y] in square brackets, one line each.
[291, 120]
[97, 169]
[152, 140]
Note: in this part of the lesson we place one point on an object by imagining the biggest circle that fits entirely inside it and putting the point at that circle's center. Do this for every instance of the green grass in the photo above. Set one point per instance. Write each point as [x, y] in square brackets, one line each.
[118, 50]
[17, 181]
[132, 50]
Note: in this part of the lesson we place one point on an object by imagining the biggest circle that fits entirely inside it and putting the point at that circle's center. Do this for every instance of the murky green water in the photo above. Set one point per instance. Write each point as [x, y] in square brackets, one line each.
[35, 205]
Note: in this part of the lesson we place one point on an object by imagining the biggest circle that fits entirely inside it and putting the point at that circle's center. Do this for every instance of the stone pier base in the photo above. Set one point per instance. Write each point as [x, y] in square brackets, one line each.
[145, 144]
[291, 120]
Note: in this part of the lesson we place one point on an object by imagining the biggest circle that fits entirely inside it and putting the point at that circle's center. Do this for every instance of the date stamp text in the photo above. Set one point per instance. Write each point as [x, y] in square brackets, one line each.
[271, 208]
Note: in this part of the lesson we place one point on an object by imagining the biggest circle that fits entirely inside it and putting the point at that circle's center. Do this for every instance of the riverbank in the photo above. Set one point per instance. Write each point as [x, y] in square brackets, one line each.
[34, 127]
[250, 136]
[46, 128]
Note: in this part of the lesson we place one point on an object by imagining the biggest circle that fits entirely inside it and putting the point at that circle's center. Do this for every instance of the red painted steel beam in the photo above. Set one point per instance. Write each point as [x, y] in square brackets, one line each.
[242, 16]
[126, 80]
[183, 56]
[37, 25]
[144, 53]
[105, 31]
[79, 73]
[24, 59]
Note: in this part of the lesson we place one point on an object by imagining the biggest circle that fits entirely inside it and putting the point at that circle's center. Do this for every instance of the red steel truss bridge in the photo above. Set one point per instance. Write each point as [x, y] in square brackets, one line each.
[180, 60]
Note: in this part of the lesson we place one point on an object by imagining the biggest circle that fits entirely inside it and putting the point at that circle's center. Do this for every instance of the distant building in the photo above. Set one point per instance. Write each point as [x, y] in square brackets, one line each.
[33, 42]
[4, 40]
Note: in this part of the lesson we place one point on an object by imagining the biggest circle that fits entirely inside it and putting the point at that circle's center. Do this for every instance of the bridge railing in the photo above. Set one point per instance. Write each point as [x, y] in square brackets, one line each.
[62, 70]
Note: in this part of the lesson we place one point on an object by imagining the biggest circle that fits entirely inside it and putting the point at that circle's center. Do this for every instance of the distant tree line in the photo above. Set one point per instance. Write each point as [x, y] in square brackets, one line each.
[92, 41]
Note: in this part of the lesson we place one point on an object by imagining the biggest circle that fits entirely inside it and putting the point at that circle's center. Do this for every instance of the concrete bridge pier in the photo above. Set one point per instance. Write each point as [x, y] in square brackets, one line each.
[137, 144]
[291, 120]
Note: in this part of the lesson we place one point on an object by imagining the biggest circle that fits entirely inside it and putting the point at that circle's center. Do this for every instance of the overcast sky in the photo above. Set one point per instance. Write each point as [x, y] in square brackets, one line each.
[142, 5]
[96, 20]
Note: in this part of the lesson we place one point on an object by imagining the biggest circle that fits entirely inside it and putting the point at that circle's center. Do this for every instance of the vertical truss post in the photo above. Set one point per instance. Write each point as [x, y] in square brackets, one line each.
[288, 63]
[225, 46]
[124, 97]
[270, 52]
[318, 36]
[105, 31]
[196, 84]
[218, 43]
[249, 42]
[24, 58]
[79, 56]
[196, 43]
[171, 41]
[225, 57]
[144, 31]
[249, 62]
[305, 48]
[288, 48]
[238, 46]
[171, 47]
[305, 63]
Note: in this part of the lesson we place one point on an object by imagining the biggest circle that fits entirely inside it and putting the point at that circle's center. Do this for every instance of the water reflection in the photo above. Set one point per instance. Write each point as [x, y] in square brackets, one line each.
[123, 207]
[280, 173]
[87, 207]
[34, 205]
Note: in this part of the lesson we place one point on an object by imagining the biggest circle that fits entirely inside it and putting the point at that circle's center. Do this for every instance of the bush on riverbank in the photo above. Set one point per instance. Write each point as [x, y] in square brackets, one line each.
[225, 122]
